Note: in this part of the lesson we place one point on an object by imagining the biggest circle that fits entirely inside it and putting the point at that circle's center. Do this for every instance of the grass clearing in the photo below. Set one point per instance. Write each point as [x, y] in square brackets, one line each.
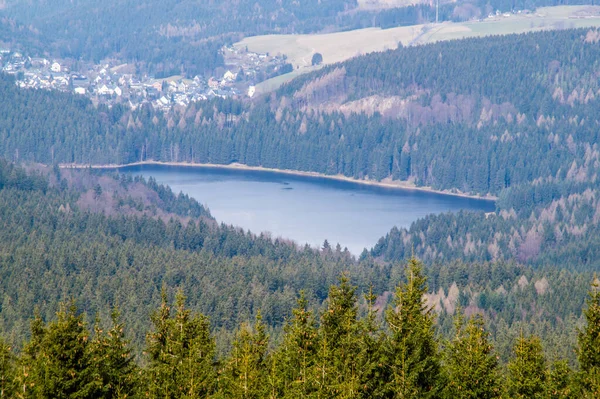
[340, 46]
[334, 47]
[273, 84]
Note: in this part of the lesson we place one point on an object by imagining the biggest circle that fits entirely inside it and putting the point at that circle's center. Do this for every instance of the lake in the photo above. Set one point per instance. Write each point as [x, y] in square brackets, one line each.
[305, 209]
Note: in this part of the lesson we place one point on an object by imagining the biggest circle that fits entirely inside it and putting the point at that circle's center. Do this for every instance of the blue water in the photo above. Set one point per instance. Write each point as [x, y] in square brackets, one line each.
[305, 209]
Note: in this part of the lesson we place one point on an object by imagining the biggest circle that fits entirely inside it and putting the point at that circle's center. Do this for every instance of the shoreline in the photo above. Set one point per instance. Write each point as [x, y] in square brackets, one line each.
[393, 184]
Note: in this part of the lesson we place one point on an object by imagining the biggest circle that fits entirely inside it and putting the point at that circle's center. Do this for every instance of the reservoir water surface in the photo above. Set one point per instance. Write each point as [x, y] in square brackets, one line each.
[305, 209]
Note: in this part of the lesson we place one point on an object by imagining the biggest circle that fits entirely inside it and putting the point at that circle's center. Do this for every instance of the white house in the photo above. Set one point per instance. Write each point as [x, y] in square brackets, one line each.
[229, 76]
[37, 61]
[213, 83]
[251, 91]
[61, 80]
[105, 90]
[79, 90]
[55, 67]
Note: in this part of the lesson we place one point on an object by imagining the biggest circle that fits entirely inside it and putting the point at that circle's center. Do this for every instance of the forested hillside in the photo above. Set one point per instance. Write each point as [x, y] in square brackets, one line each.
[114, 287]
[164, 37]
[430, 115]
[340, 351]
[106, 241]
[455, 116]
[563, 232]
[173, 37]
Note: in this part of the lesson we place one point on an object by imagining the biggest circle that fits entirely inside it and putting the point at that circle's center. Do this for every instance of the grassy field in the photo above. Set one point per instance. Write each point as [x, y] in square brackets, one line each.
[560, 17]
[274, 83]
[334, 47]
[340, 46]
[383, 4]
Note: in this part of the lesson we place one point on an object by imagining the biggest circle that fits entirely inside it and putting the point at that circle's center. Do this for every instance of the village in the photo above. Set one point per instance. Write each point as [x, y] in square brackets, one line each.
[113, 82]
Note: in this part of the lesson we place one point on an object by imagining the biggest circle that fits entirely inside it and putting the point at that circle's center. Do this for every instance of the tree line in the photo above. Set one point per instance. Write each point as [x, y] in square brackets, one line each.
[105, 239]
[478, 135]
[337, 353]
[171, 37]
[467, 123]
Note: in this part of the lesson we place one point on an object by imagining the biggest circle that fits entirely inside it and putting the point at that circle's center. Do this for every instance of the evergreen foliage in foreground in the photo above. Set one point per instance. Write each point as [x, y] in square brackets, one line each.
[343, 356]
[60, 240]
[589, 342]
[471, 364]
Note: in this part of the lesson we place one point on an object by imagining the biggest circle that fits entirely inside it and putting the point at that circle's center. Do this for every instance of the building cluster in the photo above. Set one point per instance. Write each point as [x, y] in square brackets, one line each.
[499, 14]
[113, 83]
[252, 66]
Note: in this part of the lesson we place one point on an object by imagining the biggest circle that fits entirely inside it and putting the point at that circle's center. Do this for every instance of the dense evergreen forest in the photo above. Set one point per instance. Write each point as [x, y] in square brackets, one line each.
[454, 116]
[565, 231]
[329, 354]
[513, 116]
[168, 37]
[173, 37]
[106, 241]
[385, 115]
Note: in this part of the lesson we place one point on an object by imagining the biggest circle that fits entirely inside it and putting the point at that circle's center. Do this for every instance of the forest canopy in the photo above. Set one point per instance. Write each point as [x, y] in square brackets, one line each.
[113, 286]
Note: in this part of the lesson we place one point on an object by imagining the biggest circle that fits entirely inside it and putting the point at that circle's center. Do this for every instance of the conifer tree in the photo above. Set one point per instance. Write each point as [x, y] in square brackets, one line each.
[62, 365]
[245, 375]
[527, 370]
[158, 382]
[113, 360]
[7, 371]
[181, 351]
[276, 382]
[411, 353]
[296, 356]
[588, 352]
[370, 368]
[470, 362]
[339, 332]
[25, 381]
[559, 381]
[195, 350]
